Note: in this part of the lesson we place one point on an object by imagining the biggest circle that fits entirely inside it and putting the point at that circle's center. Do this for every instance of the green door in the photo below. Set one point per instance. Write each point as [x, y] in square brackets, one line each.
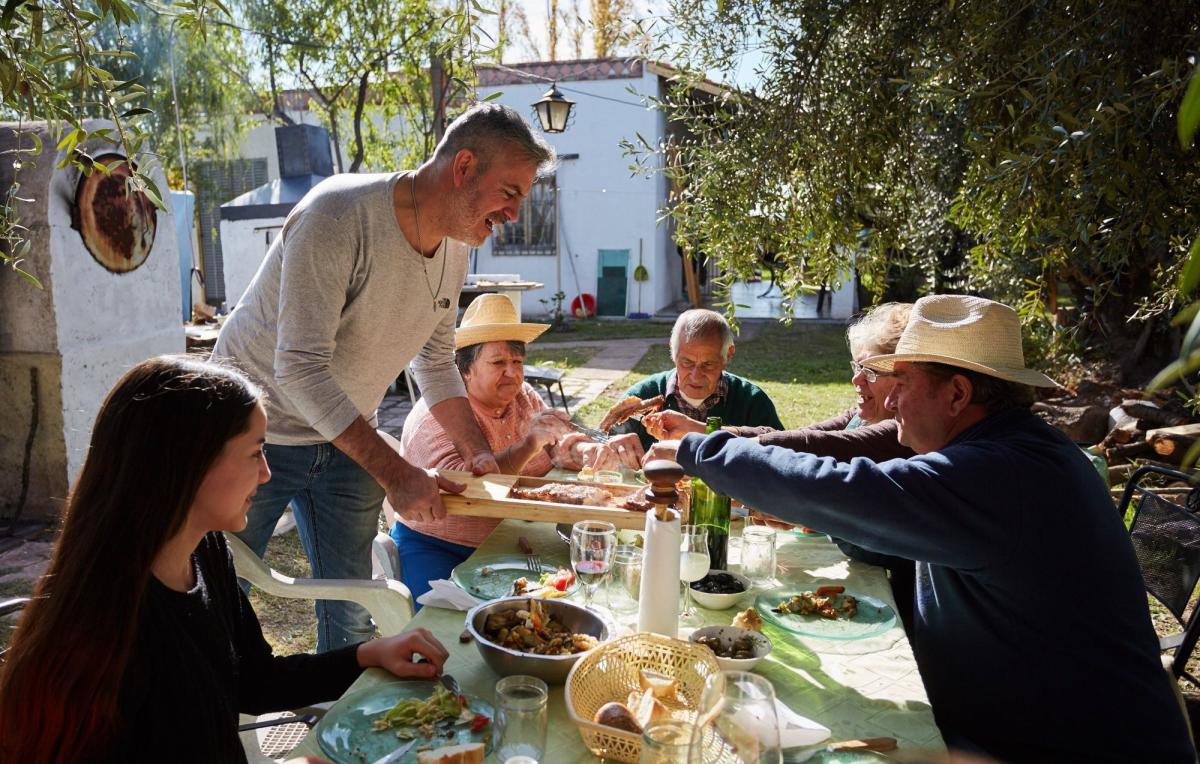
[612, 282]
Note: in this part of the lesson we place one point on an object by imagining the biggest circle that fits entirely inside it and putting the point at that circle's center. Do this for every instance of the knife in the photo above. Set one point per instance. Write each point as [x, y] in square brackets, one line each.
[395, 755]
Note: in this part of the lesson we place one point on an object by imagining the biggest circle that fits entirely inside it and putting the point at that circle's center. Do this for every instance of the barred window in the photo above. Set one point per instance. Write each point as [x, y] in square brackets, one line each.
[533, 232]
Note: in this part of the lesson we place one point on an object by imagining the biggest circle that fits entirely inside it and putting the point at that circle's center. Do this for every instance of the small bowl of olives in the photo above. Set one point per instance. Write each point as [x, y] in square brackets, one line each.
[737, 649]
[719, 590]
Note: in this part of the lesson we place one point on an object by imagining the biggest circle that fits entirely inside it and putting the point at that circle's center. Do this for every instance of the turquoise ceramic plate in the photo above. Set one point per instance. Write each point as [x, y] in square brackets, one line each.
[492, 576]
[346, 734]
[874, 617]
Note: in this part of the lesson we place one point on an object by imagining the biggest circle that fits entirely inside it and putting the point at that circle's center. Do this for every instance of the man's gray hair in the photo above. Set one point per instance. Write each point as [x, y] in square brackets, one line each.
[485, 128]
[700, 323]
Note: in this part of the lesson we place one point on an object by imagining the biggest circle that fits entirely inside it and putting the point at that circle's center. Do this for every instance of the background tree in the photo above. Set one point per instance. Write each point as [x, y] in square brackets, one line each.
[1026, 151]
[610, 25]
[54, 67]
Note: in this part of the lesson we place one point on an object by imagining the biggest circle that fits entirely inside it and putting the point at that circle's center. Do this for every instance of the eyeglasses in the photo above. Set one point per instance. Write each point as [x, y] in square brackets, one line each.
[871, 375]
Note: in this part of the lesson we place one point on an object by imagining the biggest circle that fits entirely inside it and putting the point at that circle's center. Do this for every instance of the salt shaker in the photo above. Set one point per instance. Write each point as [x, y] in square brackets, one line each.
[658, 603]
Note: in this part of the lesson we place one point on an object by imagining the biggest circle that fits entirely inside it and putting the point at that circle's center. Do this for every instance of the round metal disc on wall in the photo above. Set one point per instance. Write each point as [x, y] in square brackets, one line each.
[117, 227]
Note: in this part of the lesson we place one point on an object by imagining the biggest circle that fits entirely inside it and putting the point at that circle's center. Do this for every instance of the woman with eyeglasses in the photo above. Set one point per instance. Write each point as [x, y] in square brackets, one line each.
[866, 430]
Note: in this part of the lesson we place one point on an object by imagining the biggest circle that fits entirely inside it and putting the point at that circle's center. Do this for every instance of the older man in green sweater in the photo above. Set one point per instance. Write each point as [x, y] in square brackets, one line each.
[702, 347]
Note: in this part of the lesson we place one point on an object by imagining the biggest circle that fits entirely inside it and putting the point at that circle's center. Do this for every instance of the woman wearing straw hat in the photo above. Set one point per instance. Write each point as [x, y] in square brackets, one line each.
[1027, 647]
[527, 438]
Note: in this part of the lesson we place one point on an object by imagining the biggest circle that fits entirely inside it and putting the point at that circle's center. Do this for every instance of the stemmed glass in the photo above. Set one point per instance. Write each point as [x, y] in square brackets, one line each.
[738, 720]
[693, 566]
[592, 545]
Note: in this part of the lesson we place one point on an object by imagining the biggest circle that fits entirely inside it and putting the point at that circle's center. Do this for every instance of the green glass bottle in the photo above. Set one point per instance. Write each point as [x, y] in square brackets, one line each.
[710, 510]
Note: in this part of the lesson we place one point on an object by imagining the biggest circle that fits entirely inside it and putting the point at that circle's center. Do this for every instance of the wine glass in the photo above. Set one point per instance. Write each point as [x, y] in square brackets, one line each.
[693, 566]
[592, 545]
[738, 720]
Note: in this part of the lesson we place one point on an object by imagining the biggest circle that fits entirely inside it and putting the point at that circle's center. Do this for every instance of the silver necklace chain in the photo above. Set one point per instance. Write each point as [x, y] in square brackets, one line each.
[424, 264]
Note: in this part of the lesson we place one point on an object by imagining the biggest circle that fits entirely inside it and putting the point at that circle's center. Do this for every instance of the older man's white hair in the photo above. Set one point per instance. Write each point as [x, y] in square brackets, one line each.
[700, 323]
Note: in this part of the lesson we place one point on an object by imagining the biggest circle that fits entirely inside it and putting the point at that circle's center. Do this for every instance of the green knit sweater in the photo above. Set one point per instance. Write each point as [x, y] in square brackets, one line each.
[746, 405]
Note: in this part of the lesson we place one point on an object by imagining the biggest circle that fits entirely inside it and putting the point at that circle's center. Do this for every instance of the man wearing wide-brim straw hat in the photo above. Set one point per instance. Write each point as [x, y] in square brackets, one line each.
[526, 437]
[1031, 627]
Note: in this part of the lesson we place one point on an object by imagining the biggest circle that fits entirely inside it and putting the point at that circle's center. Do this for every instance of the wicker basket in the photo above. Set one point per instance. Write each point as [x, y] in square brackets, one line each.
[611, 671]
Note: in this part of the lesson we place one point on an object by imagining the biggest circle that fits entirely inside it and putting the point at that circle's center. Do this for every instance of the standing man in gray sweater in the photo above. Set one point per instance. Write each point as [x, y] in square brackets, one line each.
[363, 279]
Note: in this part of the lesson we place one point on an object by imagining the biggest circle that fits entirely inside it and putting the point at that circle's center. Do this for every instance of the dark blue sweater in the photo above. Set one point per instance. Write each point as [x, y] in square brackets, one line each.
[1032, 632]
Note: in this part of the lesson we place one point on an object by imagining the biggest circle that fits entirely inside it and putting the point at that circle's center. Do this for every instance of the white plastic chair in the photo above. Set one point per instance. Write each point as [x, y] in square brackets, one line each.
[388, 601]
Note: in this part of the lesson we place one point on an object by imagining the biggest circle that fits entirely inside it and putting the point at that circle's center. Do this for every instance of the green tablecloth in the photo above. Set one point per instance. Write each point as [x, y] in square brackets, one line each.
[858, 688]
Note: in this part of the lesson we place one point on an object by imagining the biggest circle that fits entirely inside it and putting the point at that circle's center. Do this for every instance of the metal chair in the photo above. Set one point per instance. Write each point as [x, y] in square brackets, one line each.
[548, 377]
[1166, 540]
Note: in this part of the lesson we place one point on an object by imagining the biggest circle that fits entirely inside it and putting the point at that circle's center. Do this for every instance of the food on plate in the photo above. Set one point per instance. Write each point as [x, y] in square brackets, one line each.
[825, 591]
[564, 493]
[465, 637]
[719, 583]
[530, 630]
[738, 647]
[467, 753]
[748, 619]
[485, 571]
[661, 685]
[631, 406]
[832, 606]
[550, 586]
[427, 718]
[617, 715]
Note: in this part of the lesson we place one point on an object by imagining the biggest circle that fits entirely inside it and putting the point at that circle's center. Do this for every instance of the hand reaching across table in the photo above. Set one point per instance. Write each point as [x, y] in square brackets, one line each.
[670, 425]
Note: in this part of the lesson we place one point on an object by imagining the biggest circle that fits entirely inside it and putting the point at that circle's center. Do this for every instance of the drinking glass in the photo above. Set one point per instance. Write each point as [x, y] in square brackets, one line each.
[693, 566]
[758, 555]
[739, 723]
[667, 742]
[592, 545]
[519, 728]
[627, 575]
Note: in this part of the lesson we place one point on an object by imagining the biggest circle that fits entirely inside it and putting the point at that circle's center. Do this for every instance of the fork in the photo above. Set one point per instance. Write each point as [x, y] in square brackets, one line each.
[597, 435]
[533, 561]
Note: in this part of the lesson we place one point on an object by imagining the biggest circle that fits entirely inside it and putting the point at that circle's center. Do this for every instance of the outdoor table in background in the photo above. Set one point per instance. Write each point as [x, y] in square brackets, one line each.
[857, 688]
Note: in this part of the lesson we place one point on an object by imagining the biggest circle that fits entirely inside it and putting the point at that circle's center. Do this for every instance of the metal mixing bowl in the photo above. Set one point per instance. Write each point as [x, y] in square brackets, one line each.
[552, 669]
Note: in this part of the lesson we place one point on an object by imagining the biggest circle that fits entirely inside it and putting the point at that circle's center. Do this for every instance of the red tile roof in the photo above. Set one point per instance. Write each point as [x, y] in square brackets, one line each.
[561, 71]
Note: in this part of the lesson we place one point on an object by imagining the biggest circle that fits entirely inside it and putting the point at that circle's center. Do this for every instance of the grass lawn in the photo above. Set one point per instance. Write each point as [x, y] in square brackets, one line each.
[559, 356]
[804, 368]
[596, 329]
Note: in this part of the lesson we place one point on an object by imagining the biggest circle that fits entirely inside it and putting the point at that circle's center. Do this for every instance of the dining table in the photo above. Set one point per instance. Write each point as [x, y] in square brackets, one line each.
[858, 688]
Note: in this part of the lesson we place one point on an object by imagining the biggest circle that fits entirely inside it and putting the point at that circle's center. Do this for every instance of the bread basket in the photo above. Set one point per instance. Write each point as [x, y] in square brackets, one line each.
[610, 671]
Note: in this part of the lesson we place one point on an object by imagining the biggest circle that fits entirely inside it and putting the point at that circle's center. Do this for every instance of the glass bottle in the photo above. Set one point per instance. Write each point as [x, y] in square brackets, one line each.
[710, 510]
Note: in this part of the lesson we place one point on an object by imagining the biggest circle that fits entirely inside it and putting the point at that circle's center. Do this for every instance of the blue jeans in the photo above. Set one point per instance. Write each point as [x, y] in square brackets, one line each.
[425, 558]
[336, 505]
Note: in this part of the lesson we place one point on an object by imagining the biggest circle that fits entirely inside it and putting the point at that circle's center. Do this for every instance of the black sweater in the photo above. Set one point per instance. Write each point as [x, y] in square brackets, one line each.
[199, 658]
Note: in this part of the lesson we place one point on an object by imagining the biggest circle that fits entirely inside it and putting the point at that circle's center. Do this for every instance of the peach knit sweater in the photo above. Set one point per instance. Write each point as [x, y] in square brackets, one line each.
[425, 444]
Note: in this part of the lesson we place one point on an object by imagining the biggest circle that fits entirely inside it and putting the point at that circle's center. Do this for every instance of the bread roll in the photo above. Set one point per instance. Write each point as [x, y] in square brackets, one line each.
[661, 685]
[616, 715]
[748, 619]
[467, 753]
[646, 708]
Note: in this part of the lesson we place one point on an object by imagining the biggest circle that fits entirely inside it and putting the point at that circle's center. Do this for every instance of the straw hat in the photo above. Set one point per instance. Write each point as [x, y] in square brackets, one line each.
[491, 318]
[967, 332]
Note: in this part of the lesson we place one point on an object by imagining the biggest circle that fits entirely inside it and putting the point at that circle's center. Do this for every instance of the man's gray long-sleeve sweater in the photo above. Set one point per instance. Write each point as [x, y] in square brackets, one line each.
[341, 304]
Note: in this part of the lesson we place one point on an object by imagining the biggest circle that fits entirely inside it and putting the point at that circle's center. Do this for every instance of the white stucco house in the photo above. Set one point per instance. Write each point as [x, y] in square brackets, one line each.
[584, 230]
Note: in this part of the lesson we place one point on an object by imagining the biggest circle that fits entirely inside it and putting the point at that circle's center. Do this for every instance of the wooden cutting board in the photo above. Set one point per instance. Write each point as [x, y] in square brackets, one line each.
[488, 496]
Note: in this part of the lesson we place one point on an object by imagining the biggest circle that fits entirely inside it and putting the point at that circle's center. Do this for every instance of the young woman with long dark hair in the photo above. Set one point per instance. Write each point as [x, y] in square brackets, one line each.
[138, 642]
